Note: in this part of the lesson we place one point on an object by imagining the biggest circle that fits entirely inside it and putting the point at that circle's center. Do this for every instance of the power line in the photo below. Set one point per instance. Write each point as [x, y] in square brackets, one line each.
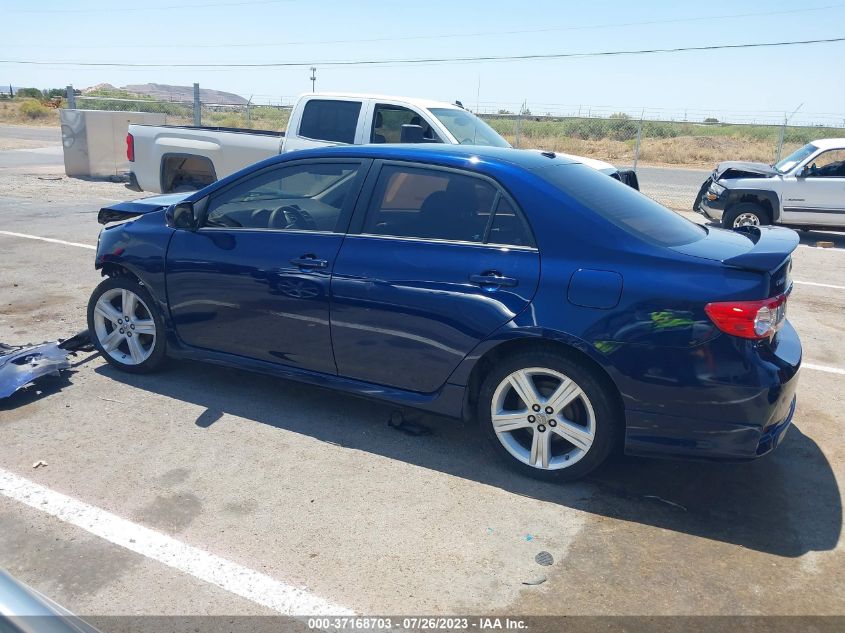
[432, 60]
[429, 37]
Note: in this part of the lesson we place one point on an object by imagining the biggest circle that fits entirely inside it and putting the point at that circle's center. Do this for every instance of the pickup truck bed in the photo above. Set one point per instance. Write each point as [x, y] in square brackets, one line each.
[186, 158]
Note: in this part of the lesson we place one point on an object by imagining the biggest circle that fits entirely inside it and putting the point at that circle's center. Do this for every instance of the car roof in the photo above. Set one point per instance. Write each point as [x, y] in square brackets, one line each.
[438, 153]
[829, 143]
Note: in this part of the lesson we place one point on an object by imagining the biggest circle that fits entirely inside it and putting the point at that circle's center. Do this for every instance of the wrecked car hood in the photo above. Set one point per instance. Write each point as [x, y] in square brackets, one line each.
[739, 169]
[133, 208]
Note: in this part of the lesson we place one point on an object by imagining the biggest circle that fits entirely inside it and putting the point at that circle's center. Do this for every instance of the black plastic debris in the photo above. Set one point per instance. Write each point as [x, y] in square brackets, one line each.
[399, 422]
[22, 364]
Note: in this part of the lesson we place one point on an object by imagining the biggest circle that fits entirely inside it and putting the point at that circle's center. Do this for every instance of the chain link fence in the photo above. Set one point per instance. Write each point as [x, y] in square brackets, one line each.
[624, 141]
[615, 137]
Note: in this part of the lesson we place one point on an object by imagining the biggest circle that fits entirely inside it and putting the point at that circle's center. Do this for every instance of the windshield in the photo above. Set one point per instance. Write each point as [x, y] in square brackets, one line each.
[467, 128]
[623, 206]
[784, 165]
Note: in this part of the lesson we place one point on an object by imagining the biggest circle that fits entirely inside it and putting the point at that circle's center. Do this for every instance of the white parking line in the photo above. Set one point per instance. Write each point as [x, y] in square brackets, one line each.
[241, 581]
[48, 239]
[830, 370]
[813, 283]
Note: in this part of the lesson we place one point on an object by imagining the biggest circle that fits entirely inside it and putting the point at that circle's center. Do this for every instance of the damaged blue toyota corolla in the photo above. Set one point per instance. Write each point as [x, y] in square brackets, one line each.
[562, 311]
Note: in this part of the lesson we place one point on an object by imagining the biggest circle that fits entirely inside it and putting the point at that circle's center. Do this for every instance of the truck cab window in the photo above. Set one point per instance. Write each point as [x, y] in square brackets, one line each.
[330, 120]
[389, 119]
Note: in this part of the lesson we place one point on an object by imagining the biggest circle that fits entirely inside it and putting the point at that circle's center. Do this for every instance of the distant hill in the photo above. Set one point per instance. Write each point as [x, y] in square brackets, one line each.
[165, 92]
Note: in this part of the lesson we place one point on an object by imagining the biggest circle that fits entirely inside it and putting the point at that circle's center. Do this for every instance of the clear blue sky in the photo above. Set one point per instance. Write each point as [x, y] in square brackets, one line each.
[763, 80]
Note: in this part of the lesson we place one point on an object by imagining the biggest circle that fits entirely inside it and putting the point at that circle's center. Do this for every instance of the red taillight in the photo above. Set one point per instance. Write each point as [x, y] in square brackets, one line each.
[130, 148]
[748, 319]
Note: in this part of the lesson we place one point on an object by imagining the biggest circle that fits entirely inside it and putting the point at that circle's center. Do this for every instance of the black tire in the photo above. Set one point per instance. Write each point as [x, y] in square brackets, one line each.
[732, 213]
[156, 345]
[609, 420]
[696, 205]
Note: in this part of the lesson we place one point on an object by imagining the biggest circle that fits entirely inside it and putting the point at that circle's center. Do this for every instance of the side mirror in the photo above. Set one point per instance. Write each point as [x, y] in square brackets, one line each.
[805, 171]
[411, 133]
[181, 216]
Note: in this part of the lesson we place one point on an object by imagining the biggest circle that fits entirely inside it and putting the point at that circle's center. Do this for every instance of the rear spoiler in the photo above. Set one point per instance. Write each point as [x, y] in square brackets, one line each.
[772, 247]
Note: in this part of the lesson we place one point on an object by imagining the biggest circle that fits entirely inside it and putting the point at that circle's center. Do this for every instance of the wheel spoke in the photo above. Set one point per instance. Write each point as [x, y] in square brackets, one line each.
[129, 303]
[145, 326]
[524, 387]
[541, 449]
[566, 392]
[505, 422]
[112, 341]
[107, 311]
[574, 434]
[135, 349]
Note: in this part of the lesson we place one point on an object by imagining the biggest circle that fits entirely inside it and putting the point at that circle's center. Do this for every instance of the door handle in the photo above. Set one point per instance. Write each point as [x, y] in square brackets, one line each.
[309, 261]
[492, 279]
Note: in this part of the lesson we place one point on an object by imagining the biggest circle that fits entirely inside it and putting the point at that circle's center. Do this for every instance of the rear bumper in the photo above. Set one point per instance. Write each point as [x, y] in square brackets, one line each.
[133, 182]
[730, 422]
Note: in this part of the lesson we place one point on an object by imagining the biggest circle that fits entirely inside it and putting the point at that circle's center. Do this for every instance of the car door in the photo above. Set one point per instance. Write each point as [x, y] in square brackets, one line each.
[815, 193]
[388, 119]
[436, 260]
[253, 279]
[327, 121]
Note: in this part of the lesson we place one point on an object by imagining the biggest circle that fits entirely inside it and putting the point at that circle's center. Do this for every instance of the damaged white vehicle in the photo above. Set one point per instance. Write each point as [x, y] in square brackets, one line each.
[804, 190]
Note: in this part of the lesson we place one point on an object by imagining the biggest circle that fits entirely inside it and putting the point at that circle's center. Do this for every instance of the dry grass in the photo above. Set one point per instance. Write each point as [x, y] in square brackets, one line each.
[688, 151]
[10, 114]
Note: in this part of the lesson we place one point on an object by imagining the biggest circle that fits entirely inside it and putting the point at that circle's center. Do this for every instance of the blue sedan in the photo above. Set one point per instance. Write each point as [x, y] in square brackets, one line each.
[562, 311]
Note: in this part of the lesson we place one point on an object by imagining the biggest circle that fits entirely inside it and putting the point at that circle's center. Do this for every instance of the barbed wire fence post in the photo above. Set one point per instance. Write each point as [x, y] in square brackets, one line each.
[197, 106]
[639, 140]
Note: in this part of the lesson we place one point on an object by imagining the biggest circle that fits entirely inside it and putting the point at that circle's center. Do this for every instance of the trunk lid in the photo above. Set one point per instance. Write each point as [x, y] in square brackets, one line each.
[133, 208]
[758, 248]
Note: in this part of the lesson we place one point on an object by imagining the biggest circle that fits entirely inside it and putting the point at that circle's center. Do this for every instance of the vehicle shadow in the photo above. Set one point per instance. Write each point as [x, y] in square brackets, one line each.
[811, 238]
[785, 504]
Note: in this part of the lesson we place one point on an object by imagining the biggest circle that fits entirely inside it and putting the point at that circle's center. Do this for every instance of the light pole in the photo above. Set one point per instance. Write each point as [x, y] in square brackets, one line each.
[313, 77]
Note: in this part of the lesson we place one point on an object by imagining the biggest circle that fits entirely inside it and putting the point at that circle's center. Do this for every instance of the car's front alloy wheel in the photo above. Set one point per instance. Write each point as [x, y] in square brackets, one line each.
[552, 419]
[124, 327]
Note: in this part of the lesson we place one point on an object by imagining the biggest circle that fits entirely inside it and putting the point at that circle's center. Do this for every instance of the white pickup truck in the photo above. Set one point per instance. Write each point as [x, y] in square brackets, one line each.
[166, 159]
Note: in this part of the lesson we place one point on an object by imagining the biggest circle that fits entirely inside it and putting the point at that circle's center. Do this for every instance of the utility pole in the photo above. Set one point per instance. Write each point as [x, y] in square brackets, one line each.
[313, 77]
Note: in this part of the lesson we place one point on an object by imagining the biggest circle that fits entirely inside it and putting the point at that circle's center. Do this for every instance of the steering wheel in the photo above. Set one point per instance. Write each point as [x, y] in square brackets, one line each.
[291, 217]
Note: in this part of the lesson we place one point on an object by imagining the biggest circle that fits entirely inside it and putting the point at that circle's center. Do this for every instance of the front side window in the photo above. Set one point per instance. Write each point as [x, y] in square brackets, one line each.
[442, 205]
[829, 164]
[307, 197]
[389, 119]
[330, 120]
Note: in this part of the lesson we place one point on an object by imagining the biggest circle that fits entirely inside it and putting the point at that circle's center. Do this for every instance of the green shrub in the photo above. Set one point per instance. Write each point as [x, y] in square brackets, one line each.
[33, 110]
[29, 93]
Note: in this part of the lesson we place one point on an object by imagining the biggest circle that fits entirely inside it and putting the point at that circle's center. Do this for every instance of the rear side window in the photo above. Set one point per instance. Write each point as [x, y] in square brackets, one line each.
[330, 120]
[623, 206]
[443, 205]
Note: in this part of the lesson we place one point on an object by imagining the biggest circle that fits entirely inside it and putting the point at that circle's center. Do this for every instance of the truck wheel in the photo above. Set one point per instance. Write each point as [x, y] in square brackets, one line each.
[696, 206]
[745, 214]
[125, 326]
[548, 416]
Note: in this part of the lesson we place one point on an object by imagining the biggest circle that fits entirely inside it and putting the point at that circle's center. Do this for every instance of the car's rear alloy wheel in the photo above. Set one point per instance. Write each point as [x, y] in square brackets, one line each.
[123, 325]
[543, 418]
[553, 420]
